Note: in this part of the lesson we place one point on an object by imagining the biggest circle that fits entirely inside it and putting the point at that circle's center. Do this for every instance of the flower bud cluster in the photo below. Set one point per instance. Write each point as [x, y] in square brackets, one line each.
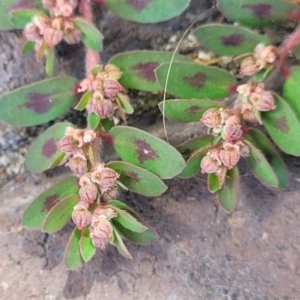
[46, 32]
[105, 88]
[252, 99]
[263, 57]
[227, 124]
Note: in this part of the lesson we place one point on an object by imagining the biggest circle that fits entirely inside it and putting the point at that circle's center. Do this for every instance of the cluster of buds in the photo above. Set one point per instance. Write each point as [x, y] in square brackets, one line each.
[104, 88]
[225, 123]
[253, 99]
[46, 32]
[262, 58]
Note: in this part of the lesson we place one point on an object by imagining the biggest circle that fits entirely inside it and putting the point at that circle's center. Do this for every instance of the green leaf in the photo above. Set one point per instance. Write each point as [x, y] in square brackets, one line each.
[186, 110]
[28, 47]
[91, 36]
[84, 100]
[138, 180]
[107, 124]
[191, 80]
[138, 68]
[264, 161]
[20, 18]
[143, 149]
[291, 90]
[193, 163]
[128, 221]
[50, 62]
[258, 13]
[145, 237]
[125, 104]
[43, 152]
[197, 143]
[228, 40]
[37, 211]
[87, 248]
[283, 126]
[147, 11]
[213, 182]
[60, 214]
[93, 121]
[37, 103]
[228, 194]
[72, 256]
[118, 242]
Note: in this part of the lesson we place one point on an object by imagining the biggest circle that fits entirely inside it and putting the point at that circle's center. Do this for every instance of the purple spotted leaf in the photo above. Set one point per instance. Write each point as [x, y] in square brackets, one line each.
[43, 151]
[228, 194]
[147, 11]
[228, 40]
[186, 110]
[60, 214]
[147, 151]
[264, 161]
[283, 126]
[37, 103]
[258, 13]
[37, 211]
[72, 256]
[9, 5]
[138, 68]
[87, 248]
[137, 179]
[191, 80]
[189, 147]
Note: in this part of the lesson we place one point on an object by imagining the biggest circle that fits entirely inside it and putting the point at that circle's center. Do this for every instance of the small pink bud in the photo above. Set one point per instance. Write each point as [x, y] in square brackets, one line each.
[42, 23]
[81, 215]
[110, 194]
[244, 89]
[85, 85]
[53, 37]
[111, 88]
[232, 130]
[230, 154]
[78, 164]
[88, 192]
[212, 118]
[73, 37]
[66, 10]
[248, 113]
[248, 67]
[263, 101]
[48, 4]
[99, 242]
[243, 148]
[104, 212]
[113, 72]
[211, 162]
[266, 53]
[101, 227]
[103, 108]
[31, 33]
[89, 135]
[105, 177]
[68, 145]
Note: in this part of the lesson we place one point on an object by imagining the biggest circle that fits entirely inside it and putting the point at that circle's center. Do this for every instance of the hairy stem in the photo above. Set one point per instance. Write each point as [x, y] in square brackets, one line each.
[290, 44]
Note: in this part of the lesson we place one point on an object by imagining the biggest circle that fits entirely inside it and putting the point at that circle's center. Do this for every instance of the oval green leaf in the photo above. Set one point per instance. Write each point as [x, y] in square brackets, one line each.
[264, 161]
[228, 194]
[147, 11]
[138, 68]
[43, 151]
[60, 214]
[93, 121]
[37, 211]
[37, 103]
[186, 110]
[138, 180]
[147, 151]
[91, 36]
[191, 80]
[283, 126]
[87, 248]
[118, 242]
[20, 18]
[258, 13]
[72, 256]
[291, 90]
[213, 182]
[229, 40]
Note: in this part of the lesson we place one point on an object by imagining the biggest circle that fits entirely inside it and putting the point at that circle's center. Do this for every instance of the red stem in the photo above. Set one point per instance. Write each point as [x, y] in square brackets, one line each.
[289, 44]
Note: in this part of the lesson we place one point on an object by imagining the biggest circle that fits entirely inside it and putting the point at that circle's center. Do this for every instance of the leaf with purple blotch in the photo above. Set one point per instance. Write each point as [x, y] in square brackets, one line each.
[138, 180]
[195, 144]
[228, 194]
[43, 151]
[37, 103]
[36, 212]
[229, 40]
[87, 248]
[138, 68]
[258, 13]
[191, 80]
[283, 126]
[147, 151]
[264, 161]
[60, 214]
[147, 11]
[72, 255]
[9, 5]
[186, 110]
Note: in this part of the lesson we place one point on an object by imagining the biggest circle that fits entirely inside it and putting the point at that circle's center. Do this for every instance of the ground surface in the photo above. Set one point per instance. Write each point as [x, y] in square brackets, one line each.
[201, 252]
